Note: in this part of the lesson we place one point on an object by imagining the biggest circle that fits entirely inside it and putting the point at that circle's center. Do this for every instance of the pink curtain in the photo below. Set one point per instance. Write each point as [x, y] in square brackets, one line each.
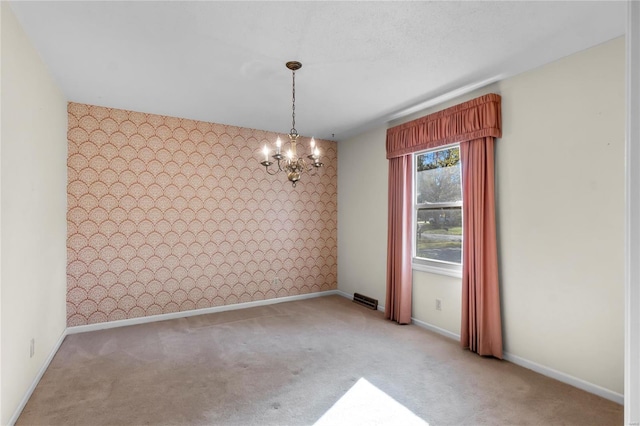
[478, 118]
[474, 124]
[399, 280]
[481, 328]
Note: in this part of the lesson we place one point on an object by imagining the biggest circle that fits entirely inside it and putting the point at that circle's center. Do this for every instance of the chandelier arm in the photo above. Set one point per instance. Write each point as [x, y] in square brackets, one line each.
[269, 172]
[313, 168]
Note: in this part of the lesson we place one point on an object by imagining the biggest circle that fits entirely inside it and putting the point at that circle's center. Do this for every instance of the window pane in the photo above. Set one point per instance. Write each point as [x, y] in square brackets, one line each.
[438, 176]
[439, 234]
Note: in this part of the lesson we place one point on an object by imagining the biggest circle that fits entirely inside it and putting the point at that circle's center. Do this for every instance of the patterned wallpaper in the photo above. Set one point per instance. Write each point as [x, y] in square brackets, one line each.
[168, 214]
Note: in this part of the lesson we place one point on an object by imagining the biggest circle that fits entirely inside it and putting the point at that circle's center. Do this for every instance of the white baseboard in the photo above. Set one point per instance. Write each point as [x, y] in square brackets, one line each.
[36, 380]
[565, 378]
[435, 329]
[538, 368]
[194, 312]
[344, 294]
[350, 297]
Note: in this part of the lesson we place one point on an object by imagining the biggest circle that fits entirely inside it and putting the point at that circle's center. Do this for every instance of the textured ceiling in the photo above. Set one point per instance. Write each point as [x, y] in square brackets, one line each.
[364, 63]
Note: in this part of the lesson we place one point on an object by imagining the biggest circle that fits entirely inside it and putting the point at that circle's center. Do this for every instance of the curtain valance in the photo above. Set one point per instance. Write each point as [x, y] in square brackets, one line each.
[477, 118]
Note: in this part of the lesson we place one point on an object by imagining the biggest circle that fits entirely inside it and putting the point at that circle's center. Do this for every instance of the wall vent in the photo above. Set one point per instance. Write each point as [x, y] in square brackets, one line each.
[363, 300]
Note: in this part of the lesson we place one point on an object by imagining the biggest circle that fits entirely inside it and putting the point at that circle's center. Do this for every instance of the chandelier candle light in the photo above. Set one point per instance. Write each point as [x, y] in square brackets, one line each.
[292, 165]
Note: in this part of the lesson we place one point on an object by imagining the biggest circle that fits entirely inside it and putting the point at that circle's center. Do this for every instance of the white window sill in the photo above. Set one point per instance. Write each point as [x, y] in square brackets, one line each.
[452, 271]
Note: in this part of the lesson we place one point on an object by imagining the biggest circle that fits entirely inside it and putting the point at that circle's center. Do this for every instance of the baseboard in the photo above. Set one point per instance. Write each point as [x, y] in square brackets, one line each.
[350, 297]
[435, 329]
[344, 294]
[565, 378]
[36, 380]
[538, 368]
[194, 312]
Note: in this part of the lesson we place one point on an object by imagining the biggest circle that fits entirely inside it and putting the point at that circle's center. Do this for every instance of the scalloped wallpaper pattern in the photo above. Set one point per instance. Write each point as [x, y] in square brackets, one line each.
[168, 214]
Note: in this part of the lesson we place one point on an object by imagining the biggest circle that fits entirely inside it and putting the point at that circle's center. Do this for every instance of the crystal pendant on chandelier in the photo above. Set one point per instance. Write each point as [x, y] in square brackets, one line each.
[293, 165]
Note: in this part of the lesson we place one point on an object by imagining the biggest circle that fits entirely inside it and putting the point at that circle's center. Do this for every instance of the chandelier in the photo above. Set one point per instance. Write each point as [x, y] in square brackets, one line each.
[293, 165]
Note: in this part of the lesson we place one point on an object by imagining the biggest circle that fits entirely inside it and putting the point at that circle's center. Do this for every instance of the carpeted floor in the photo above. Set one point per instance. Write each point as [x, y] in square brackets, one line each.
[288, 364]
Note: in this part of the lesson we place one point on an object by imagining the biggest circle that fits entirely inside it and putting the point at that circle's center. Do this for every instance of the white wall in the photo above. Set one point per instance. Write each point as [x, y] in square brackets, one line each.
[429, 287]
[33, 179]
[561, 212]
[560, 208]
[362, 215]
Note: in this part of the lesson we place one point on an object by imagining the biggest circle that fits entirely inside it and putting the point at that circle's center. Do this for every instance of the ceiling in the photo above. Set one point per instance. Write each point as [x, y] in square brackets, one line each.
[364, 63]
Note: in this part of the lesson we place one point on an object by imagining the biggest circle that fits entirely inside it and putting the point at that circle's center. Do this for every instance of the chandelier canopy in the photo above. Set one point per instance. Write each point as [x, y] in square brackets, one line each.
[293, 165]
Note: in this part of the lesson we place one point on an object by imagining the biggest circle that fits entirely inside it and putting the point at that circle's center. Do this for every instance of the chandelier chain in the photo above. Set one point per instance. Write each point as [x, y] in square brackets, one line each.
[293, 105]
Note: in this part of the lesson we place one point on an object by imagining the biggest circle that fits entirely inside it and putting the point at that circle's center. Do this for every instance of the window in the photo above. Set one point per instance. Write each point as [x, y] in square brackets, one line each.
[437, 240]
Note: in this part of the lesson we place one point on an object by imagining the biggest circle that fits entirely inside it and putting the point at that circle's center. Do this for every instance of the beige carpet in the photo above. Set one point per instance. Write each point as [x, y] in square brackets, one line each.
[289, 364]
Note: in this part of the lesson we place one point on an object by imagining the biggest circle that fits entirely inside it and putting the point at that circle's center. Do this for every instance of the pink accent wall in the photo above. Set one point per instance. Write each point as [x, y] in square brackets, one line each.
[168, 214]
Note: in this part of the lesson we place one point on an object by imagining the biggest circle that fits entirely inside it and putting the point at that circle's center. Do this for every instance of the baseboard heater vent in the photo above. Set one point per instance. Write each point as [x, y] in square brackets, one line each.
[363, 300]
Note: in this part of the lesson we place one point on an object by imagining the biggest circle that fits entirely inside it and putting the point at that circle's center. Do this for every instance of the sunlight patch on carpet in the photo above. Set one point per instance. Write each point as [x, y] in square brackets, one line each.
[365, 404]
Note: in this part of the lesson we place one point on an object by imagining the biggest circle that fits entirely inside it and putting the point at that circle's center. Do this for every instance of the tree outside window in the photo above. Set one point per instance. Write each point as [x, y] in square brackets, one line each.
[438, 206]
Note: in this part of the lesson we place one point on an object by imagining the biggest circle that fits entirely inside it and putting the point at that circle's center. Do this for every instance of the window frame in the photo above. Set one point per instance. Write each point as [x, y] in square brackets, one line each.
[434, 266]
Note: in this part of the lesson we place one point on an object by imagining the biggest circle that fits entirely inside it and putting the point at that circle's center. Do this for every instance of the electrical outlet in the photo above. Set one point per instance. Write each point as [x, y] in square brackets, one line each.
[276, 281]
[32, 348]
[438, 305]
